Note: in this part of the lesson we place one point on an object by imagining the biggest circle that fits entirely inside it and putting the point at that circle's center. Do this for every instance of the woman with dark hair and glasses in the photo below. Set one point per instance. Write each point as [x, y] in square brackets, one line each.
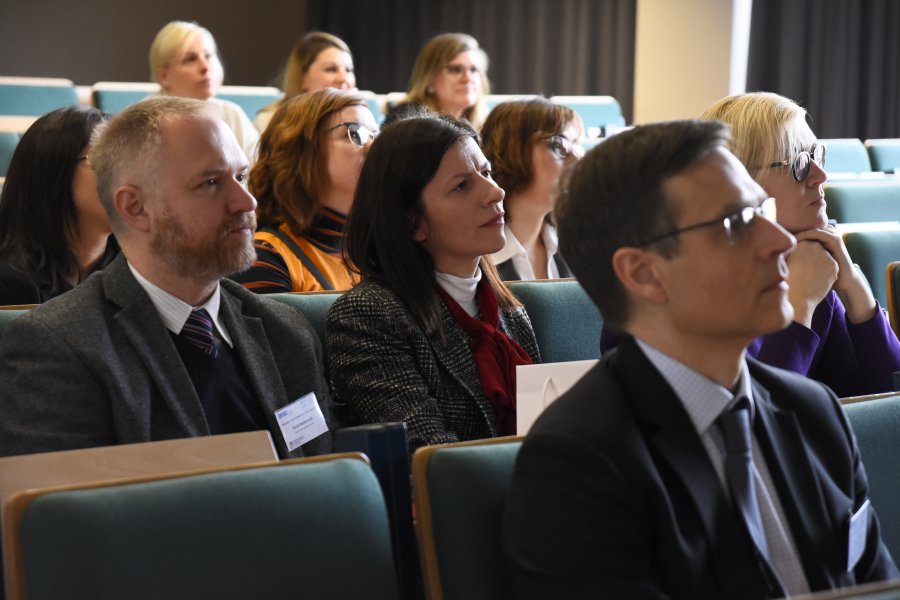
[529, 143]
[54, 231]
[840, 335]
[304, 179]
[430, 336]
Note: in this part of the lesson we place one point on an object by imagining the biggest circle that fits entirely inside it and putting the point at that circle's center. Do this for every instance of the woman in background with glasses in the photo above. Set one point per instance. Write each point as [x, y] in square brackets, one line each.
[54, 231]
[304, 180]
[449, 77]
[840, 335]
[319, 60]
[529, 143]
[431, 336]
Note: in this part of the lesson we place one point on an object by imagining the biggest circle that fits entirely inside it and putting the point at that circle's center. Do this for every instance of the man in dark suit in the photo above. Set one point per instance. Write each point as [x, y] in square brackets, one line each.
[157, 345]
[677, 467]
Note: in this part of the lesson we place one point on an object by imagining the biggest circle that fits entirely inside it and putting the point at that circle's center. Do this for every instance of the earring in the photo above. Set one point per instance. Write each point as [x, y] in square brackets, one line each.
[430, 90]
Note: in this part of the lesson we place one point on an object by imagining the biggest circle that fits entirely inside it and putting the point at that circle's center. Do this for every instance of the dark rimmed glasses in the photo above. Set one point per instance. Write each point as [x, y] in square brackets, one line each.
[563, 147]
[357, 133]
[803, 160]
[735, 223]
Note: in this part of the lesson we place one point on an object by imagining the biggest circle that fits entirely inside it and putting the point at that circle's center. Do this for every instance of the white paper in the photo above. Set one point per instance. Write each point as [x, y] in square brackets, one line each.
[539, 385]
[301, 421]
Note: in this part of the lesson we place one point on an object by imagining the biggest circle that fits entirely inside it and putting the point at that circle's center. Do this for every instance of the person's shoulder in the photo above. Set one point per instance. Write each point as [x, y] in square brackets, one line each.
[17, 287]
[369, 296]
[792, 391]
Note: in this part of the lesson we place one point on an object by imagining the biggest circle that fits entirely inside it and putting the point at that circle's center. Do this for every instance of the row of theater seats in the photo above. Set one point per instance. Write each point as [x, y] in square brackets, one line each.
[315, 527]
[23, 99]
[849, 157]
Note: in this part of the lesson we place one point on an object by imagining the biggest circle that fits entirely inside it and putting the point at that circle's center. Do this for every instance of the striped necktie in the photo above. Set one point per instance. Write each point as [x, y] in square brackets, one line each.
[198, 330]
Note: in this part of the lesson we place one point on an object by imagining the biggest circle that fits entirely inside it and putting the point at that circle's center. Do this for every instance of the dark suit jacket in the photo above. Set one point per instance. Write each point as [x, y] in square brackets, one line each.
[385, 368]
[614, 495]
[97, 367]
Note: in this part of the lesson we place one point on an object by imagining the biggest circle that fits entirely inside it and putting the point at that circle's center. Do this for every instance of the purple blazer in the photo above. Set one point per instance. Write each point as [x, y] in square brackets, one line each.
[850, 359]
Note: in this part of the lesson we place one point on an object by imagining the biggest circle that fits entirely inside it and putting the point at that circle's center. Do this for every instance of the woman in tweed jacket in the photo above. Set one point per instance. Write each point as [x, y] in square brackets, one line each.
[430, 336]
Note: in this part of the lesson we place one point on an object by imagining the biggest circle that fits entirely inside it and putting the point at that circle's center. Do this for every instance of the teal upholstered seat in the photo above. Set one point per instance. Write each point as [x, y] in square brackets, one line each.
[8, 143]
[460, 491]
[875, 424]
[863, 201]
[251, 98]
[873, 251]
[596, 112]
[301, 530]
[846, 155]
[884, 155]
[35, 96]
[566, 322]
[313, 305]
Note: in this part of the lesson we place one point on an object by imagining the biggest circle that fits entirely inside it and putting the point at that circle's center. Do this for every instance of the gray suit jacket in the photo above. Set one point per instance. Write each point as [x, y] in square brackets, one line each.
[97, 367]
[385, 368]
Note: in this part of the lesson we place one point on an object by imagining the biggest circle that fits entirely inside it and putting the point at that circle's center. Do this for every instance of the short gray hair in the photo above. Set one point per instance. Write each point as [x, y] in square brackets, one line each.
[125, 149]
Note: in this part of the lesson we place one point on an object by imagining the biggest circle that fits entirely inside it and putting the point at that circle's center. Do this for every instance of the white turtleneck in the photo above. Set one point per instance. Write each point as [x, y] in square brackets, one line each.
[461, 289]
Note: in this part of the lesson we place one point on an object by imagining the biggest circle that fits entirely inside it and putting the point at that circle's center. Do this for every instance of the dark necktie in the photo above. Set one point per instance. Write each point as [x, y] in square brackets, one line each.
[735, 424]
[198, 330]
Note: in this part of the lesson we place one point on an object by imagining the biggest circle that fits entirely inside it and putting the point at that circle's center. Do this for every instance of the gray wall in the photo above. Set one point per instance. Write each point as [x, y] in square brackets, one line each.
[101, 40]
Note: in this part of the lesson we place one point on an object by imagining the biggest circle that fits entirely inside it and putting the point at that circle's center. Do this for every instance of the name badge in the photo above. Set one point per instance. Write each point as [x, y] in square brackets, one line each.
[856, 540]
[301, 421]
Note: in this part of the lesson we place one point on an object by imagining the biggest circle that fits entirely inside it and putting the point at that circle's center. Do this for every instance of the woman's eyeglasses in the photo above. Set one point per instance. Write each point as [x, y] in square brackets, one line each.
[735, 223]
[801, 163]
[457, 70]
[563, 147]
[357, 133]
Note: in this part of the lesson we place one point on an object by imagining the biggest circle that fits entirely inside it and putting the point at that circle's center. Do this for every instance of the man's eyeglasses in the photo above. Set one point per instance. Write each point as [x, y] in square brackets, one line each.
[357, 133]
[800, 165]
[457, 70]
[736, 223]
[563, 147]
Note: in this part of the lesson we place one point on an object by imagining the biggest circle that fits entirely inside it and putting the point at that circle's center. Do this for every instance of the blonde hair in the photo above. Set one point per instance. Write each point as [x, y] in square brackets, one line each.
[170, 42]
[291, 173]
[433, 57]
[765, 128]
[127, 148]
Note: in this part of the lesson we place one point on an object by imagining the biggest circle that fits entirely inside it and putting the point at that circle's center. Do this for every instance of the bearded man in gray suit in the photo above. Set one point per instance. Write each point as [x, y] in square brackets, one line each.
[159, 345]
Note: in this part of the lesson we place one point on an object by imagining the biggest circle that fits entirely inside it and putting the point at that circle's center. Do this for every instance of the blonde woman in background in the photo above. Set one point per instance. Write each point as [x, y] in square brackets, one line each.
[449, 77]
[319, 60]
[185, 61]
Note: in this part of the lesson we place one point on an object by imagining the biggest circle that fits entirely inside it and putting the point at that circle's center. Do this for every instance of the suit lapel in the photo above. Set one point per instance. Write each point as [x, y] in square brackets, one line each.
[674, 441]
[798, 486]
[140, 323]
[252, 346]
[456, 358]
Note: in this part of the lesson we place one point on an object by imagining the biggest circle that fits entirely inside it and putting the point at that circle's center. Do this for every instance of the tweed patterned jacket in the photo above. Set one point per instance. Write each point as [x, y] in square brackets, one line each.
[385, 368]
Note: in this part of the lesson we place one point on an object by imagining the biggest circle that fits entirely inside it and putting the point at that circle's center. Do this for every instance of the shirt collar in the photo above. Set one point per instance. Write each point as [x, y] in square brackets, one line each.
[174, 311]
[513, 249]
[703, 399]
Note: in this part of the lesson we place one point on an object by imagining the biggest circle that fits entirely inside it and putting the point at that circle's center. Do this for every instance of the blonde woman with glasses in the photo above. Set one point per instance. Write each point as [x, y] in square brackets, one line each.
[839, 335]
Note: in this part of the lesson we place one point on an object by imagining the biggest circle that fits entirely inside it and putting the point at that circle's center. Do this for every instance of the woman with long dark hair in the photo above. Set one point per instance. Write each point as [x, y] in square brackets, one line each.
[54, 231]
[430, 336]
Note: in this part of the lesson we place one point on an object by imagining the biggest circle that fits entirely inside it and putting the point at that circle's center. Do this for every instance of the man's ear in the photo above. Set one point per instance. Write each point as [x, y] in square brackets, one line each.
[129, 203]
[640, 272]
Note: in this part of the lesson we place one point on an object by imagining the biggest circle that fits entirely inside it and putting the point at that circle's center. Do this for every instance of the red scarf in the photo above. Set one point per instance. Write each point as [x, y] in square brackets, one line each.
[495, 353]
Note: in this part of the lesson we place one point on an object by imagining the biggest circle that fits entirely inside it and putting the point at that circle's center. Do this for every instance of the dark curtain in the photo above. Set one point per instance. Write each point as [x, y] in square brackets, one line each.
[548, 47]
[840, 59]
